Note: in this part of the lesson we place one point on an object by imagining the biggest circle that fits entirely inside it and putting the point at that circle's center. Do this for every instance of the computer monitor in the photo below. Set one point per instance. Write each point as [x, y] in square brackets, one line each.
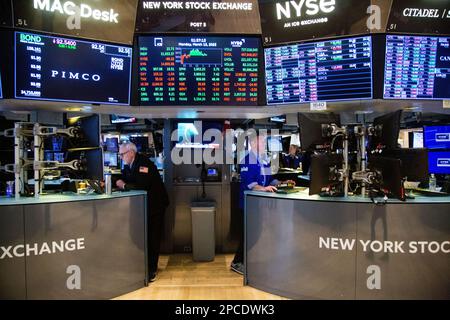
[414, 163]
[324, 171]
[389, 174]
[275, 143]
[90, 131]
[110, 159]
[439, 162]
[311, 136]
[437, 137]
[387, 129]
[278, 119]
[141, 143]
[416, 140]
[112, 144]
[92, 162]
[189, 133]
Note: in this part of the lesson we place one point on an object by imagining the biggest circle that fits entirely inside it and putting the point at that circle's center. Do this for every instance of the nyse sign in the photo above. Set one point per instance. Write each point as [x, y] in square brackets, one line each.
[310, 7]
[289, 21]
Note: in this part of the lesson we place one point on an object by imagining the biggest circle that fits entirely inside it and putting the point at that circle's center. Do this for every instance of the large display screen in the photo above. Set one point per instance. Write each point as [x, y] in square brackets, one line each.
[320, 71]
[103, 20]
[198, 70]
[290, 21]
[419, 16]
[212, 16]
[439, 162]
[62, 69]
[417, 67]
[437, 137]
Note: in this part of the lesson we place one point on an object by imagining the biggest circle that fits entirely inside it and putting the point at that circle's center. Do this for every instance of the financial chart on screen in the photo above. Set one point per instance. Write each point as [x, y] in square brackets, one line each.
[319, 71]
[417, 67]
[198, 70]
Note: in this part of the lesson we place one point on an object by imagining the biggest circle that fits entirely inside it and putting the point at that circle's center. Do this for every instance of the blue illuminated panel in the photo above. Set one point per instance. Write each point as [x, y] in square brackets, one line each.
[437, 137]
[439, 162]
[63, 69]
[320, 71]
[1, 91]
[417, 67]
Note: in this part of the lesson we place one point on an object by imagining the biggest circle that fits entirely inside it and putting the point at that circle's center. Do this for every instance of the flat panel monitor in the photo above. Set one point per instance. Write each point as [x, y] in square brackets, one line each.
[141, 143]
[112, 144]
[414, 162]
[439, 162]
[311, 134]
[117, 119]
[198, 70]
[387, 129]
[212, 16]
[389, 174]
[89, 131]
[275, 143]
[331, 70]
[63, 69]
[92, 163]
[419, 16]
[437, 137]
[324, 168]
[104, 20]
[278, 119]
[285, 21]
[417, 67]
[417, 139]
[110, 159]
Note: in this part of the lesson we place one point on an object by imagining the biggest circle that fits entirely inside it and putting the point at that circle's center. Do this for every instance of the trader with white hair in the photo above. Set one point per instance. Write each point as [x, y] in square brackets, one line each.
[139, 173]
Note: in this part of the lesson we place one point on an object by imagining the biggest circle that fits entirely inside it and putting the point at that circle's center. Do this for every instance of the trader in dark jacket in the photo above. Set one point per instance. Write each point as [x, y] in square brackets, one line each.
[139, 173]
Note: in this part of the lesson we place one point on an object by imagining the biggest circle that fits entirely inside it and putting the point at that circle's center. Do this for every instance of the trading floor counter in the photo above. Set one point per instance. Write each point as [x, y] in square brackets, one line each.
[309, 247]
[73, 246]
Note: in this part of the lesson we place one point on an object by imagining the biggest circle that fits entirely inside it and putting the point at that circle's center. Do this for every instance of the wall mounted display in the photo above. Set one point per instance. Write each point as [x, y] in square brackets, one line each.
[198, 70]
[290, 21]
[331, 70]
[211, 16]
[419, 16]
[104, 20]
[63, 69]
[417, 67]
[437, 137]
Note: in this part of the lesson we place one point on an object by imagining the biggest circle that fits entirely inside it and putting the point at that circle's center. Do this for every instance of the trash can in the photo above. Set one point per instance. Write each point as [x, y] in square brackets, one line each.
[203, 235]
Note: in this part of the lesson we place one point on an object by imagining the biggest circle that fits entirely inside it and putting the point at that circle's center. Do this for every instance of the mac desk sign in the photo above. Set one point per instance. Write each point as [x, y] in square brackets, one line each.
[69, 8]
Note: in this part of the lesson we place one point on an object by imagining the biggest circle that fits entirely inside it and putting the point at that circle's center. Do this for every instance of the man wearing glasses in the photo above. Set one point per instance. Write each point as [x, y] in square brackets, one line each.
[139, 173]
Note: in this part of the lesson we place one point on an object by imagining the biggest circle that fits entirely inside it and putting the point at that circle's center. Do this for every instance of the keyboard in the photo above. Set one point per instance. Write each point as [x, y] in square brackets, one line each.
[430, 193]
[288, 190]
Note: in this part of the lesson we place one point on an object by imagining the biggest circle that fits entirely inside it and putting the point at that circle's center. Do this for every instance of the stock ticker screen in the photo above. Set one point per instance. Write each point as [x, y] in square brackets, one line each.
[319, 71]
[198, 70]
[63, 69]
[417, 67]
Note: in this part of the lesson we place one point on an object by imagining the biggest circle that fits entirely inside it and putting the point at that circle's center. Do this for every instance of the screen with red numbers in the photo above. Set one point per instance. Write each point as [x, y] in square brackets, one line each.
[198, 70]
